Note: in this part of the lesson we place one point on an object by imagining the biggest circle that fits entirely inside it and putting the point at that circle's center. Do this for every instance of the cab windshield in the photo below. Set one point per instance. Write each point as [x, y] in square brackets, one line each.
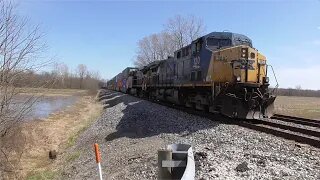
[215, 42]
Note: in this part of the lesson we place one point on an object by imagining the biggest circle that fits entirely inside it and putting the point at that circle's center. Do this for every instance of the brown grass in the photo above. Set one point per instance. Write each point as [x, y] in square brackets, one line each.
[308, 107]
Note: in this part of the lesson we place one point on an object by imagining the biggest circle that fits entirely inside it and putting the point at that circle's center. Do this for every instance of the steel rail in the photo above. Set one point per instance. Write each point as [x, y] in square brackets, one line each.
[306, 123]
[286, 135]
[288, 127]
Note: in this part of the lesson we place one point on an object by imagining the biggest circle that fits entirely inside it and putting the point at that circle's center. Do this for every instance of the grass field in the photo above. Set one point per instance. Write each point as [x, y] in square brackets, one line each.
[308, 107]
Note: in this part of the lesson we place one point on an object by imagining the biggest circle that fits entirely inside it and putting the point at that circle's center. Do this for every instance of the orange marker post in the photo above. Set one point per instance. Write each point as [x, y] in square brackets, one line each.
[98, 158]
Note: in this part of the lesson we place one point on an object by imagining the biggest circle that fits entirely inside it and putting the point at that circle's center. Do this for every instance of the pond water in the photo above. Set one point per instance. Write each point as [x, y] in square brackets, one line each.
[44, 106]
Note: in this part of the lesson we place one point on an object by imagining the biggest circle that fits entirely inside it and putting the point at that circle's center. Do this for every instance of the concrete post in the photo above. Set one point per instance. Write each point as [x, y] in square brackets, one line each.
[164, 173]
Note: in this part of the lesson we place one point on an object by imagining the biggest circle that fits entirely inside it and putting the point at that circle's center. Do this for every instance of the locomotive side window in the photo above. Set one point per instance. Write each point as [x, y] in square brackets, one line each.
[193, 49]
[224, 42]
[187, 50]
[154, 69]
[177, 71]
[179, 55]
[199, 76]
[198, 46]
[212, 42]
[193, 76]
[182, 68]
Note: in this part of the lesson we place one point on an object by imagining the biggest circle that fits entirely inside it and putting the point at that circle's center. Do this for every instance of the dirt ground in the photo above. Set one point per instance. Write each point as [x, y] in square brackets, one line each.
[32, 141]
[308, 107]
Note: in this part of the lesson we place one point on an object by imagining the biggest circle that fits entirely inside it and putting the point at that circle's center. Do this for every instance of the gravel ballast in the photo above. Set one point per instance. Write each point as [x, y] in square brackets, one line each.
[132, 130]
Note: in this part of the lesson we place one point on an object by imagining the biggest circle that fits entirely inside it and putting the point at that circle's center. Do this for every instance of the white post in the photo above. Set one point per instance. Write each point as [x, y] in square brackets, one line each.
[98, 158]
[100, 171]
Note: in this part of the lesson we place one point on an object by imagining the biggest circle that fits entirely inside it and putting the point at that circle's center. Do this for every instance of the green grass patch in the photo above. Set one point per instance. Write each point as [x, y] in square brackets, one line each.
[73, 156]
[42, 175]
[72, 139]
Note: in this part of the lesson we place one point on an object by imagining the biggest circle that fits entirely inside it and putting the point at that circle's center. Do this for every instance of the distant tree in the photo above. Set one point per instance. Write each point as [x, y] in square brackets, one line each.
[298, 87]
[64, 71]
[61, 72]
[82, 72]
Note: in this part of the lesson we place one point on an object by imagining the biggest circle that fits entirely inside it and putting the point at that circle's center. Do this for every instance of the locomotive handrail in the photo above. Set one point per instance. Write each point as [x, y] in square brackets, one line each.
[275, 77]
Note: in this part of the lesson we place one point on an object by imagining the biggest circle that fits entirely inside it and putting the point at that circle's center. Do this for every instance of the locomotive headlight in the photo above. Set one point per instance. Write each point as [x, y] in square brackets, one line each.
[252, 55]
[244, 52]
[238, 78]
[266, 79]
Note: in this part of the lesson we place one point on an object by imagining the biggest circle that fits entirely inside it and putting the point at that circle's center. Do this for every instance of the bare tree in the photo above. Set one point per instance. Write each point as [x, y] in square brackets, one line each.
[298, 87]
[154, 47]
[61, 71]
[20, 45]
[20, 49]
[82, 72]
[184, 30]
[179, 31]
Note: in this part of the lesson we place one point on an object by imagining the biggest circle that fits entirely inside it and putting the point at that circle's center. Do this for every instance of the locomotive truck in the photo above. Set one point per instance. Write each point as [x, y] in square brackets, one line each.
[220, 72]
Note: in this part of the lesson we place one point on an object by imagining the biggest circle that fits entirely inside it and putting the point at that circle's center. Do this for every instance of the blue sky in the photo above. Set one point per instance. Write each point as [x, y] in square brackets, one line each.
[104, 34]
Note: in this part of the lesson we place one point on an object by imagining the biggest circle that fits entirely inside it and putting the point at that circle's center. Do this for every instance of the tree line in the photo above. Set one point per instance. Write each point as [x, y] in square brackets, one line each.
[61, 76]
[298, 92]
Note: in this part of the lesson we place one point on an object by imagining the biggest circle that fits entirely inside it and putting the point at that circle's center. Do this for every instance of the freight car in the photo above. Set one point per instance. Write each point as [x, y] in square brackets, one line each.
[220, 72]
[123, 81]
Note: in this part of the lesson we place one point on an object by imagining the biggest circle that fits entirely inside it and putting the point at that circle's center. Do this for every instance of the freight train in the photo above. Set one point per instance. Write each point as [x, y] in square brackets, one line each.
[220, 72]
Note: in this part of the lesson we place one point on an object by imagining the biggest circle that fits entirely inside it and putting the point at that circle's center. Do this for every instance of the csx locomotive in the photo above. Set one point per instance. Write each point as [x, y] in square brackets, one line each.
[220, 72]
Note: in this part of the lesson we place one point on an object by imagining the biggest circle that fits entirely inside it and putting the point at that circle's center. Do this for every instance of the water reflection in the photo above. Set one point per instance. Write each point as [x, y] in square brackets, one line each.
[46, 105]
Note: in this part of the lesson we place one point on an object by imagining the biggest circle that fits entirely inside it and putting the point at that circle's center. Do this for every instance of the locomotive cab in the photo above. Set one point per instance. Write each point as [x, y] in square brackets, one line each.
[242, 72]
[232, 75]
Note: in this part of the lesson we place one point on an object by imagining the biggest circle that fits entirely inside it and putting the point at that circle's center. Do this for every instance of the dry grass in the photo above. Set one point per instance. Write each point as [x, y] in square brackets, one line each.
[47, 175]
[52, 92]
[308, 107]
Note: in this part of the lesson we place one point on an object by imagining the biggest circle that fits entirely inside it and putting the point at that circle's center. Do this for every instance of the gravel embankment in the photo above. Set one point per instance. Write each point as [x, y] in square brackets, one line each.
[131, 131]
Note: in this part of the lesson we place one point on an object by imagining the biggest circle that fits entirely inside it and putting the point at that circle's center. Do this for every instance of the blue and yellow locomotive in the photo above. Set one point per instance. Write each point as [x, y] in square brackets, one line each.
[219, 72]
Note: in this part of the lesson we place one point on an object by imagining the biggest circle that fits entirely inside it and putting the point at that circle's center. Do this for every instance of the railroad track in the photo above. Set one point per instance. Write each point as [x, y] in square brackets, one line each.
[275, 126]
[297, 120]
[301, 134]
[302, 130]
